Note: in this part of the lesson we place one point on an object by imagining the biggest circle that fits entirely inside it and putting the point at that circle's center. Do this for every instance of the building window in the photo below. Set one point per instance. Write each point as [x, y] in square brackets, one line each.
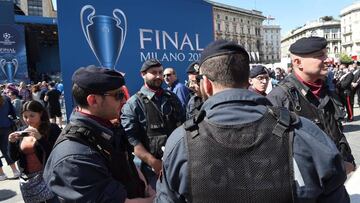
[218, 27]
[226, 18]
[35, 8]
[218, 16]
[235, 31]
[242, 30]
[234, 19]
[326, 36]
[226, 28]
[241, 20]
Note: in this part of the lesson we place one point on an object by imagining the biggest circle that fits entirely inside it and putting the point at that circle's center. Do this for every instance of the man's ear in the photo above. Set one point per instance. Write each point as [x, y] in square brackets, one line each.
[250, 81]
[208, 86]
[143, 74]
[91, 100]
[297, 62]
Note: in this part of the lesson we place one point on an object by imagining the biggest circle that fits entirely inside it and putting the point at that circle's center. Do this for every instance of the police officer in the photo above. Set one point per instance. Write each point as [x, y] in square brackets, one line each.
[91, 160]
[239, 149]
[149, 117]
[305, 92]
[259, 79]
[195, 100]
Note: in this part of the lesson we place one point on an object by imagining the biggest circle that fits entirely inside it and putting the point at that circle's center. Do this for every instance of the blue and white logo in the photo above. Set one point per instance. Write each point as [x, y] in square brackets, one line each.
[104, 34]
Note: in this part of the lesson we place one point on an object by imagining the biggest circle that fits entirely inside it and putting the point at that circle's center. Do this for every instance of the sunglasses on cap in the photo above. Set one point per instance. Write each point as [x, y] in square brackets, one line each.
[199, 77]
[117, 95]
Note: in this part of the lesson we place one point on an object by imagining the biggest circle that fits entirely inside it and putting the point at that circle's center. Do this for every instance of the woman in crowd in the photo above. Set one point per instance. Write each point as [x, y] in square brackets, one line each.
[6, 110]
[32, 147]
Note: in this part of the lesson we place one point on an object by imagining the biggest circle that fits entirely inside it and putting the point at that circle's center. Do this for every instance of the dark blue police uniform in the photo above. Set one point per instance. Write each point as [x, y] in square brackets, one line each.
[318, 168]
[135, 121]
[90, 161]
[77, 172]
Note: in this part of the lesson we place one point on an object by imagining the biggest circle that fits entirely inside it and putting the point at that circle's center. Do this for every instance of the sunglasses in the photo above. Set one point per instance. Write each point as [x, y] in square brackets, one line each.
[117, 95]
[199, 77]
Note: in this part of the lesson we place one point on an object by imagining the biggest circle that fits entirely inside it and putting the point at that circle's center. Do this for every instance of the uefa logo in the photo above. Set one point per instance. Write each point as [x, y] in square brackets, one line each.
[7, 36]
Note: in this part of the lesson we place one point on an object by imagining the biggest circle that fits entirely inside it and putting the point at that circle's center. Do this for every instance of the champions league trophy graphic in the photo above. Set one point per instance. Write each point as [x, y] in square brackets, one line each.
[105, 35]
[9, 68]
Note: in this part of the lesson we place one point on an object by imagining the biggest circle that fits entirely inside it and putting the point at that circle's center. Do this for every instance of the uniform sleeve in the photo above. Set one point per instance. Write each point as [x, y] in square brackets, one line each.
[83, 179]
[173, 185]
[130, 122]
[320, 164]
[278, 97]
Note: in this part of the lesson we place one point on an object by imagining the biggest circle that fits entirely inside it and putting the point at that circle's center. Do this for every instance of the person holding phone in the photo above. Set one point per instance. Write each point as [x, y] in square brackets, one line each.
[33, 145]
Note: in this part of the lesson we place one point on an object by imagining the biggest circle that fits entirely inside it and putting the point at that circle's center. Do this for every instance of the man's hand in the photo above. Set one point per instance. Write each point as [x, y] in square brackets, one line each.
[349, 167]
[156, 164]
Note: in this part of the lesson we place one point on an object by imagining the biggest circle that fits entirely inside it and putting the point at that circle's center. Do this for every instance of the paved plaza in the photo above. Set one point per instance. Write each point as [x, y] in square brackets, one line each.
[10, 191]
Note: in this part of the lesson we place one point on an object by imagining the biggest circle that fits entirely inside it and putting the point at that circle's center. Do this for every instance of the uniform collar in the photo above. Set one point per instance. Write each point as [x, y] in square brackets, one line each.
[235, 95]
[150, 93]
[305, 87]
[101, 121]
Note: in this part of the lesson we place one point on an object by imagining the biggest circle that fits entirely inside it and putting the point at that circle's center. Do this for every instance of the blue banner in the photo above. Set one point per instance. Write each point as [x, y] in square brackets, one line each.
[123, 34]
[13, 62]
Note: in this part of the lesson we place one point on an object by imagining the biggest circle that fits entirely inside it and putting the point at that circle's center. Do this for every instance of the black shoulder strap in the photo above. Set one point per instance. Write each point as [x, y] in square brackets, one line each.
[292, 94]
[285, 119]
[85, 136]
[191, 125]
[142, 97]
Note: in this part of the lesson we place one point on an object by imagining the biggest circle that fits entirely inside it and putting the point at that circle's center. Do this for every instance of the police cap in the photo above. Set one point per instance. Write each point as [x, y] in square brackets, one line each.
[193, 68]
[150, 63]
[257, 70]
[98, 80]
[222, 47]
[308, 45]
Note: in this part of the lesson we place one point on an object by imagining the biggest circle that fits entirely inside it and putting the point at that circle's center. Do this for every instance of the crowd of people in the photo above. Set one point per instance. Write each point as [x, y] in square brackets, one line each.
[233, 133]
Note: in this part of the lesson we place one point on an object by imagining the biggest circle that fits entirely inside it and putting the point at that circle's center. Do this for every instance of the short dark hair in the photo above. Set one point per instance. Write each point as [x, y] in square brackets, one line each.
[79, 94]
[230, 70]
